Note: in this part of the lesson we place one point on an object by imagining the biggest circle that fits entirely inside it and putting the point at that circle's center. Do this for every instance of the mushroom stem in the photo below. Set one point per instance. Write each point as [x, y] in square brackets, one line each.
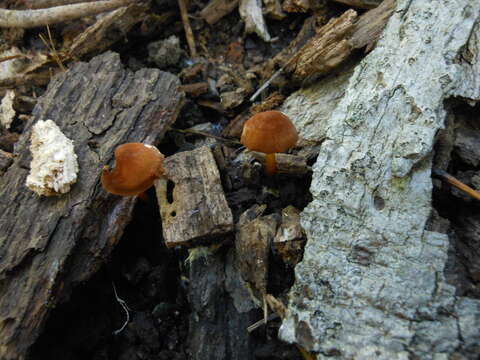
[270, 164]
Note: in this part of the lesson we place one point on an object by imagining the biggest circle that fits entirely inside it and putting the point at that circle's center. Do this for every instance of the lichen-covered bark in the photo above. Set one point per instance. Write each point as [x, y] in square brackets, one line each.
[49, 244]
[371, 284]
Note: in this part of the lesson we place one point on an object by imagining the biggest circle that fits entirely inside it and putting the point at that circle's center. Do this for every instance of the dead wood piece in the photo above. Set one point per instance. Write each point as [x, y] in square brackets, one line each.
[326, 50]
[273, 101]
[6, 160]
[106, 31]
[196, 209]
[362, 4]
[290, 238]
[47, 245]
[370, 25]
[296, 6]
[34, 18]
[195, 89]
[252, 245]
[286, 164]
[42, 4]
[216, 9]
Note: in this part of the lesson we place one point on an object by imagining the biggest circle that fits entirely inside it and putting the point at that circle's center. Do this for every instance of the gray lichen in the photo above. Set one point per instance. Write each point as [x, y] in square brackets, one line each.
[371, 284]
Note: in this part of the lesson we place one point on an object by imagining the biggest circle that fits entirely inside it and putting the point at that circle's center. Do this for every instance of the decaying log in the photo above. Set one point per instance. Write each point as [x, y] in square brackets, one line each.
[221, 310]
[47, 245]
[286, 164]
[363, 4]
[372, 283]
[216, 9]
[196, 209]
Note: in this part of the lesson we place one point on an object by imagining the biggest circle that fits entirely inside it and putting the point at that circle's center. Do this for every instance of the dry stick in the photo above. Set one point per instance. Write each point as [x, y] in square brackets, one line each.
[188, 29]
[34, 18]
[43, 4]
[11, 57]
[456, 183]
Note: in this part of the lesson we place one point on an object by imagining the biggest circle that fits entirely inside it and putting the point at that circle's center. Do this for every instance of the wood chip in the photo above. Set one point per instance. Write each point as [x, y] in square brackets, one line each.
[196, 209]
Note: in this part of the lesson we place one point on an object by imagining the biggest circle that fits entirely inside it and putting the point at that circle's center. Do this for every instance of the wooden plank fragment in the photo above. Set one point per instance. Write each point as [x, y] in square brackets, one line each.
[47, 245]
[196, 209]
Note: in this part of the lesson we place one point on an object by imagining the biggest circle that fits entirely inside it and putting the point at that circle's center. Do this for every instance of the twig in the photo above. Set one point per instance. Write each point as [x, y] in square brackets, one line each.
[34, 18]
[266, 84]
[456, 183]
[11, 57]
[51, 46]
[188, 29]
[261, 322]
[125, 307]
[43, 4]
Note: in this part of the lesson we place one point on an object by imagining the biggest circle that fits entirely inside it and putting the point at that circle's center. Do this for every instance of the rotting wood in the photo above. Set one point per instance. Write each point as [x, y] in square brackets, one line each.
[216, 9]
[96, 38]
[196, 209]
[329, 47]
[370, 25]
[47, 245]
[57, 14]
[334, 42]
[252, 246]
[106, 31]
[195, 89]
[286, 164]
[290, 238]
[326, 50]
[363, 4]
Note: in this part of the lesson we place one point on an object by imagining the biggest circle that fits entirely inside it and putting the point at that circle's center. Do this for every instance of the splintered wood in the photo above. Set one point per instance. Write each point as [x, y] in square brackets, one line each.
[196, 209]
[334, 42]
[252, 245]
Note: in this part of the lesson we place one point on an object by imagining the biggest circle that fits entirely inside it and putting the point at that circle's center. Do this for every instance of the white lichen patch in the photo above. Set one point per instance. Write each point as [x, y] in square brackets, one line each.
[7, 113]
[54, 165]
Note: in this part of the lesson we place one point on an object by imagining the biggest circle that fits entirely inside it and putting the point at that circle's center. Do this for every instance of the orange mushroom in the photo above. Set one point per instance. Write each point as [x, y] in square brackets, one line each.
[269, 132]
[137, 166]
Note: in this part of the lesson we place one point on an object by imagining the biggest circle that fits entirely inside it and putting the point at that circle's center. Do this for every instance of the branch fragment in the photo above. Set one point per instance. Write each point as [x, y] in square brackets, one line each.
[41, 17]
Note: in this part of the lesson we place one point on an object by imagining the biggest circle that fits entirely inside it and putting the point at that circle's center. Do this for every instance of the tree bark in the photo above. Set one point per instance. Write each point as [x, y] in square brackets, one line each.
[47, 245]
[372, 282]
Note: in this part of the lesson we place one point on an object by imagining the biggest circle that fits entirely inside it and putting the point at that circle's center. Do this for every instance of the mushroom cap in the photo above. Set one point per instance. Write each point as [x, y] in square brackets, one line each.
[137, 166]
[269, 132]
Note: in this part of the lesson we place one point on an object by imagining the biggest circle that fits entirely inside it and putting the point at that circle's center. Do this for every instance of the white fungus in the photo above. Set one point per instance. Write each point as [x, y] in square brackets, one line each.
[54, 165]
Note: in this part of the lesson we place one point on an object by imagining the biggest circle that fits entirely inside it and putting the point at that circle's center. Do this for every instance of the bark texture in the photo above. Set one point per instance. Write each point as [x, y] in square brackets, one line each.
[371, 284]
[47, 245]
[196, 208]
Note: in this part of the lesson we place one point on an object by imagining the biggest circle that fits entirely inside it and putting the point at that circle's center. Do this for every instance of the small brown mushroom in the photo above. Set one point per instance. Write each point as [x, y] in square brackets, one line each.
[269, 132]
[137, 166]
